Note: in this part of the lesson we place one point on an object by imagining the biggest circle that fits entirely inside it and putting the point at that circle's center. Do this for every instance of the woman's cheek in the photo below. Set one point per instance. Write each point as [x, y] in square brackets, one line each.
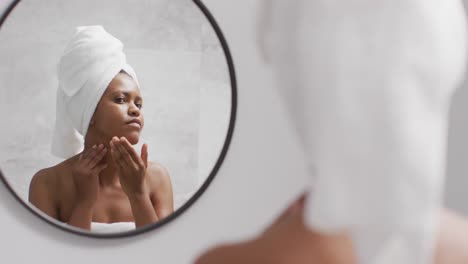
[121, 111]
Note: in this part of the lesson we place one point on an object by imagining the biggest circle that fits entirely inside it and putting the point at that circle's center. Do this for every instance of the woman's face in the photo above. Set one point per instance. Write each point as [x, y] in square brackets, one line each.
[118, 113]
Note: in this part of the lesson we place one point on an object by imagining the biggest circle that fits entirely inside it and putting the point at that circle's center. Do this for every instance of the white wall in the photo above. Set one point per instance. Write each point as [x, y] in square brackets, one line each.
[215, 102]
[263, 172]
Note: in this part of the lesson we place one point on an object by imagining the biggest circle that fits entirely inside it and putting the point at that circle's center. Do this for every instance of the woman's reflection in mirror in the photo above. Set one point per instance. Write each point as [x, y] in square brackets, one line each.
[103, 179]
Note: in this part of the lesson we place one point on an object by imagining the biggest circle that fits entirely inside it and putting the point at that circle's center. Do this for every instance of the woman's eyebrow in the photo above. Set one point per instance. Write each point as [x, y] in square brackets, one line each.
[136, 97]
[127, 94]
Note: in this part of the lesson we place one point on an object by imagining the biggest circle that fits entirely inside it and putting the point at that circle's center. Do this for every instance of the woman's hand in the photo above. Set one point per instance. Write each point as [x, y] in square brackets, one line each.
[132, 173]
[86, 174]
[131, 167]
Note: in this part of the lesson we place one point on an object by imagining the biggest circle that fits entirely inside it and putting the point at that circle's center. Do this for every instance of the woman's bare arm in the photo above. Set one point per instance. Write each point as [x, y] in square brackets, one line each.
[41, 194]
[161, 190]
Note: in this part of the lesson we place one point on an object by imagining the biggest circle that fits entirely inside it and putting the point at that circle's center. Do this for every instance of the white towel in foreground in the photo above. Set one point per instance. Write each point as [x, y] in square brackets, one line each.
[368, 86]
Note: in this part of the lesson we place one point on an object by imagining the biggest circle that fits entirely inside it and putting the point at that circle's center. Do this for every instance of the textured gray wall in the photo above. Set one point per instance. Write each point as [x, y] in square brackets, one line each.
[179, 63]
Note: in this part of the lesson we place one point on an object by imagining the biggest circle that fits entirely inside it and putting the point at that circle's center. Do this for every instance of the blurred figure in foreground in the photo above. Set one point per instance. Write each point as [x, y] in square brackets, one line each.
[368, 86]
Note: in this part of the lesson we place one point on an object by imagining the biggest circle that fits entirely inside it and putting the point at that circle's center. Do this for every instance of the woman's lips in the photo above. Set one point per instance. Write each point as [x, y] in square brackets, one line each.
[134, 124]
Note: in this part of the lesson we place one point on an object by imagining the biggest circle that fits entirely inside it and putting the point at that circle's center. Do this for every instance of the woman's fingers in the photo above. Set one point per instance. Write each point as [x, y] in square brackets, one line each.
[127, 157]
[114, 153]
[131, 151]
[85, 154]
[97, 157]
[123, 156]
[100, 168]
[144, 154]
[89, 154]
[93, 152]
[118, 157]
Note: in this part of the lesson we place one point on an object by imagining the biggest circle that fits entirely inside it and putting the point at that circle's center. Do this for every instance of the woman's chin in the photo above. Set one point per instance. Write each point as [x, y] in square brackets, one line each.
[132, 137]
[133, 140]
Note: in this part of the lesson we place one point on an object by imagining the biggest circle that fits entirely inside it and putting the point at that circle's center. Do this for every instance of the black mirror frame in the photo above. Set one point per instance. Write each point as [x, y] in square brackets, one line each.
[207, 182]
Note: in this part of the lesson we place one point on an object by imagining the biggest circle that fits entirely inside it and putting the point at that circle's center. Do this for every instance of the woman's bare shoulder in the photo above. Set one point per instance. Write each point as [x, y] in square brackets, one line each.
[158, 174]
[160, 186]
[42, 189]
[49, 177]
[45, 176]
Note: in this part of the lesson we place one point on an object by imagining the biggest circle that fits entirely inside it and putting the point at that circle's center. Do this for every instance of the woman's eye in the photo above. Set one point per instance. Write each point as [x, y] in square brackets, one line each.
[139, 105]
[119, 100]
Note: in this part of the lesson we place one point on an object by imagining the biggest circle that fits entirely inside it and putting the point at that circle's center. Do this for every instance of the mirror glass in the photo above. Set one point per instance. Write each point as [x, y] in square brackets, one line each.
[150, 75]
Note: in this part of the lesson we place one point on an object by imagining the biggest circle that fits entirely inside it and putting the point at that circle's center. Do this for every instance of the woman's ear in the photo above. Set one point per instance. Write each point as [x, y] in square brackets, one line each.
[91, 123]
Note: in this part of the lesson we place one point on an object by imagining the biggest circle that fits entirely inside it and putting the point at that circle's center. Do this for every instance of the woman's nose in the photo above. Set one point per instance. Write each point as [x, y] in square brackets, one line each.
[134, 110]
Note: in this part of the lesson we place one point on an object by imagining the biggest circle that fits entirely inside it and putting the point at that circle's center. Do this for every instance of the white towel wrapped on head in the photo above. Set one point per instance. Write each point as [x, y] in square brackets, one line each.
[90, 61]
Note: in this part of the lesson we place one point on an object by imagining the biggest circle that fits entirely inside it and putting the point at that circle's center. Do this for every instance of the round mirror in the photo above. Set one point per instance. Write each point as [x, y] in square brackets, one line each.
[117, 114]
